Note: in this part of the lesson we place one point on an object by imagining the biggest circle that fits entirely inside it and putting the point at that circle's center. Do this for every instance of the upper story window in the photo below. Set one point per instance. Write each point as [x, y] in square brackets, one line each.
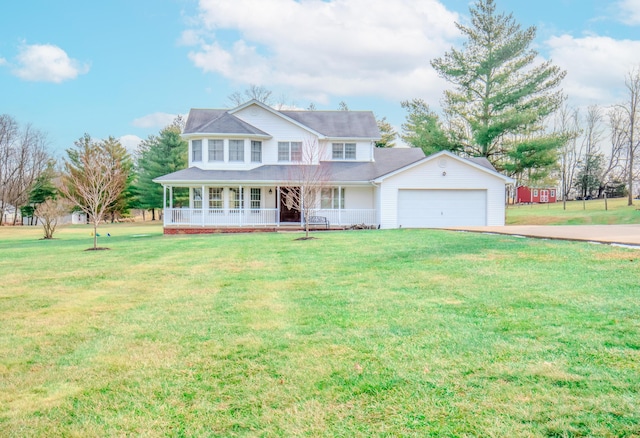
[236, 150]
[216, 150]
[289, 151]
[256, 152]
[344, 151]
[196, 150]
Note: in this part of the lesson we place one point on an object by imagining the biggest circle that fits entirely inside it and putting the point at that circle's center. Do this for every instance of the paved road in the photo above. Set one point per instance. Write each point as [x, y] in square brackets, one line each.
[622, 234]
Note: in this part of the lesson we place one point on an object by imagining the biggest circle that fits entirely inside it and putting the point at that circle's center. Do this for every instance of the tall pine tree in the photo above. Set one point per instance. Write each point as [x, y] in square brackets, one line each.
[501, 96]
[158, 156]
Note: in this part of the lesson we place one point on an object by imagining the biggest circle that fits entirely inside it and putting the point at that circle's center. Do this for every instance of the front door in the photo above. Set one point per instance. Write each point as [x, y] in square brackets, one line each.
[288, 211]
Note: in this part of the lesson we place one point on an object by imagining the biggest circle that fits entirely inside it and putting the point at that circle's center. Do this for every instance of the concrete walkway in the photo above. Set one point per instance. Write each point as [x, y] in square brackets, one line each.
[620, 234]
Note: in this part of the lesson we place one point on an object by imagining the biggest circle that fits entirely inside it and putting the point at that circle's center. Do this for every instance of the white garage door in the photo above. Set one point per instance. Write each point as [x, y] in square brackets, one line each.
[441, 208]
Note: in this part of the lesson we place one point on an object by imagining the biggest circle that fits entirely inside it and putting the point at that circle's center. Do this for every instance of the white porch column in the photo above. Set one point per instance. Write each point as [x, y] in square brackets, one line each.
[302, 222]
[202, 204]
[164, 204]
[241, 197]
[278, 205]
[340, 205]
[170, 196]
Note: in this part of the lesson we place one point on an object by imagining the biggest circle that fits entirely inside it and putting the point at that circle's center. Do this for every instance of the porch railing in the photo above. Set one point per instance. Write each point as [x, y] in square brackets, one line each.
[348, 217]
[197, 217]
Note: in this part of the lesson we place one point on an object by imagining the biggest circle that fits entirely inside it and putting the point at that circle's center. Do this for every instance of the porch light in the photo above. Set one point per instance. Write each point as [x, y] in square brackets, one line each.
[270, 191]
[444, 173]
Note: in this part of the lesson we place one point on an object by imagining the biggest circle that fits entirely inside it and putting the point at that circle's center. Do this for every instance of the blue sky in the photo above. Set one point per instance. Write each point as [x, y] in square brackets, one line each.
[125, 68]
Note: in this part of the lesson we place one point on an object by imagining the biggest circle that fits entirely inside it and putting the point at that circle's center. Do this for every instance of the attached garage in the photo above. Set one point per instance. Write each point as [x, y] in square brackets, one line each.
[442, 190]
[441, 208]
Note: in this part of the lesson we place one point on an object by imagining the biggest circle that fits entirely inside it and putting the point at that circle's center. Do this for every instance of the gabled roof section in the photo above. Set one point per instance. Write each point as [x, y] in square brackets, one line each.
[476, 162]
[213, 121]
[324, 124]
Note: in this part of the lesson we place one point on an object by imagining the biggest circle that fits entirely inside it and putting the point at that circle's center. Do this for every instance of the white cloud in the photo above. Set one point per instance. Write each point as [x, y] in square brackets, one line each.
[130, 142]
[320, 48]
[155, 120]
[3, 61]
[596, 66]
[629, 12]
[47, 63]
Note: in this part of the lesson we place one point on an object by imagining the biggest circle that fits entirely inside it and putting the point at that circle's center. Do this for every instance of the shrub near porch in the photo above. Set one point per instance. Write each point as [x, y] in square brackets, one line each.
[401, 332]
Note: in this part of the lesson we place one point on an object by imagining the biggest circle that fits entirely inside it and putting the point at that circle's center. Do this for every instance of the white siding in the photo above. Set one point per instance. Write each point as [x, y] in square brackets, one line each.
[359, 197]
[442, 173]
[279, 128]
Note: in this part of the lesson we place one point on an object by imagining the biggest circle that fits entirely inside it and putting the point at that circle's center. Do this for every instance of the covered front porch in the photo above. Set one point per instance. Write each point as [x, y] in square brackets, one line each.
[260, 208]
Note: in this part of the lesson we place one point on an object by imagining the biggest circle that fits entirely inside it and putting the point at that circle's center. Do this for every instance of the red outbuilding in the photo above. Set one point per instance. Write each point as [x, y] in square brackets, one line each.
[529, 195]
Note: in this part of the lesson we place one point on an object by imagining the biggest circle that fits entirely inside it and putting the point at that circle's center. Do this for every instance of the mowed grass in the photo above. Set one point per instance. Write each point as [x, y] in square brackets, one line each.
[591, 212]
[362, 333]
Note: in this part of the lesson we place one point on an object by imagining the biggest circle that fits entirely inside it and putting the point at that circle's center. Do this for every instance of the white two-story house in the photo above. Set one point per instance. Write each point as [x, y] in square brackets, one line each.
[241, 162]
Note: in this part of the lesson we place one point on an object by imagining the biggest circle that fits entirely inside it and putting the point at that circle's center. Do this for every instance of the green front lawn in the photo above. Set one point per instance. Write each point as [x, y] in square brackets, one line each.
[362, 333]
[576, 213]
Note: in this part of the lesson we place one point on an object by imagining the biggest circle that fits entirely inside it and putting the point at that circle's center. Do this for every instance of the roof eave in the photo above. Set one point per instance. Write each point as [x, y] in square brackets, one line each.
[225, 135]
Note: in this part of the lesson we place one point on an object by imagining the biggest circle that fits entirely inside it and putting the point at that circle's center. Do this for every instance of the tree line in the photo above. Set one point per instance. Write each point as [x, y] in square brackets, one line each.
[97, 177]
[506, 106]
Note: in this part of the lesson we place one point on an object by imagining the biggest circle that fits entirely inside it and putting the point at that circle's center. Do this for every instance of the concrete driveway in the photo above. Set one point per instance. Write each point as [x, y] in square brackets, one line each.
[620, 234]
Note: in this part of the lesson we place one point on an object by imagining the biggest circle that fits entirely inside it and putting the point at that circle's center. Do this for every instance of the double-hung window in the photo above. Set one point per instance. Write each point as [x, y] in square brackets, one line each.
[196, 150]
[332, 198]
[290, 151]
[236, 150]
[256, 151]
[197, 198]
[215, 198]
[343, 151]
[216, 150]
[255, 198]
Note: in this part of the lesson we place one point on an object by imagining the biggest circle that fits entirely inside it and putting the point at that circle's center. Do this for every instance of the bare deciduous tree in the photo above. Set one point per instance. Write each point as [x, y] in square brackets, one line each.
[631, 110]
[589, 153]
[257, 92]
[307, 177]
[93, 180]
[49, 212]
[568, 125]
[613, 170]
[23, 157]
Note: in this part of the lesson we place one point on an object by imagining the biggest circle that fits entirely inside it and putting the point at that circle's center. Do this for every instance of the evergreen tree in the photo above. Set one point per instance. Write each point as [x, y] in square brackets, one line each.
[500, 95]
[387, 133]
[158, 156]
[42, 189]
[423, 130]
[118, 153]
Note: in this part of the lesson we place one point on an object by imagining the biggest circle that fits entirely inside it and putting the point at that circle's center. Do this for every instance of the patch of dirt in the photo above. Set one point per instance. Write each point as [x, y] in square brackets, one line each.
[306, 238]
[97, 249]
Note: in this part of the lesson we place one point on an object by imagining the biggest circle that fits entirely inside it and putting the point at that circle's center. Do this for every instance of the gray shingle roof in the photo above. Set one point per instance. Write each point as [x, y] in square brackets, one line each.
[387, 160]
[345, 124]
[481, 161]
[332, 124]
